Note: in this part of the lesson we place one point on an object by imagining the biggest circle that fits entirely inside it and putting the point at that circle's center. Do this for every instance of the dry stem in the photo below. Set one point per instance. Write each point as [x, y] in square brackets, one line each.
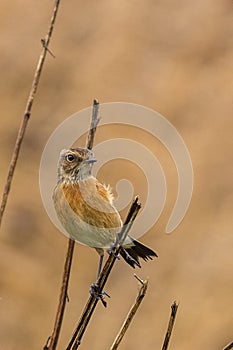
[174, 308]
[52, 341]
[229, 346]
[27, 112]
[94, 122]
[131, 314]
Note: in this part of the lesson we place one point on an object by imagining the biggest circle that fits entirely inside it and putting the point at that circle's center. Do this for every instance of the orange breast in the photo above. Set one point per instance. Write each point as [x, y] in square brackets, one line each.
[90, 201]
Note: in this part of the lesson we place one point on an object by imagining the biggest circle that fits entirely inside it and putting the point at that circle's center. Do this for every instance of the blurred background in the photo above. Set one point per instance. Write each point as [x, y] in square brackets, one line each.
[176, 58]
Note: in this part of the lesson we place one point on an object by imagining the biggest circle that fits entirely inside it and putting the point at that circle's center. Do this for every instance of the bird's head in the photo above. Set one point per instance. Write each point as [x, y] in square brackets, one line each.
[75, 164]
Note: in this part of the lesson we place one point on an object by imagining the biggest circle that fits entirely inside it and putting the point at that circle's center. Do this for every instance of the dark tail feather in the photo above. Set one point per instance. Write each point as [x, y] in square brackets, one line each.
[132, 261]
[132, 253]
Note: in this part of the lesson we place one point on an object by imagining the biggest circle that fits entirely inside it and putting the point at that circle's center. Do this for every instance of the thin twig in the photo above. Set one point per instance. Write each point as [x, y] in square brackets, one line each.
[27, 112]
[131, 314]
[174, 308]
[92, 301]
[229, 346]
[43, 43]
[94, 122]
[51, 343]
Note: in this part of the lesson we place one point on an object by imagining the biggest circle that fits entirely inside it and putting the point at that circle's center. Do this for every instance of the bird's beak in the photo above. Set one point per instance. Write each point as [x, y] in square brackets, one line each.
[90, 160]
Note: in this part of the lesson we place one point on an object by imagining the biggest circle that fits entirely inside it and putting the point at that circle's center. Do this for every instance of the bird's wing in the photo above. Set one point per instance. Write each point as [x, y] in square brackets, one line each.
[92, 204]
[105, 192]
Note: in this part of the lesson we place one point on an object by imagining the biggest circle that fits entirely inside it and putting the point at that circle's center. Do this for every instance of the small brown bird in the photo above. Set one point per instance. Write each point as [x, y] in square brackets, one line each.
[85, 208]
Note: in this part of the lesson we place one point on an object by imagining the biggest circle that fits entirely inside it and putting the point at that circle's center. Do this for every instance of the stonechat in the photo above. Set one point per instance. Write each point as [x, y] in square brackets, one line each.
[86, 209]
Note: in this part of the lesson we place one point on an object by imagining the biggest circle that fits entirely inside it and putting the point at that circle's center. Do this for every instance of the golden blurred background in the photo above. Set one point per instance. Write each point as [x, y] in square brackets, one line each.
[176, 58]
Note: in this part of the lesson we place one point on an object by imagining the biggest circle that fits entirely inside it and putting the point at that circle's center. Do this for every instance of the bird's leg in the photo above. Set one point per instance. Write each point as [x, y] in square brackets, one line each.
[100, 265]
[112, 249]
[94, 290]
[120, 237]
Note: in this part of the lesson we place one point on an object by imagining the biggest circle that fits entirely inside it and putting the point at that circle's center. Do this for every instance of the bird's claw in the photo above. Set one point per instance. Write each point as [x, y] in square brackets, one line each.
[99, 295]
[111, 251]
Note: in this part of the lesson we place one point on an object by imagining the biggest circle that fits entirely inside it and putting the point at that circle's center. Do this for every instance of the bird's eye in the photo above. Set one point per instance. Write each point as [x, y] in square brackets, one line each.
[70, 157]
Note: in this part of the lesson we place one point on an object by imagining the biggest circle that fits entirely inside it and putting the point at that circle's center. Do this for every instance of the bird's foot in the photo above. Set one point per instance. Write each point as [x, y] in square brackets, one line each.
[112, 251]
[99, 295]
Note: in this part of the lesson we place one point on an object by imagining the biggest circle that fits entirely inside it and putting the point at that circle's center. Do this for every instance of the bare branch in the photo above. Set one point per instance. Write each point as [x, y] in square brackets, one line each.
[174, 308]
[94, 122]
[52, 341]
[43, 43]
[27, 112]
[131, 314]
[229, 346]
[92, 301]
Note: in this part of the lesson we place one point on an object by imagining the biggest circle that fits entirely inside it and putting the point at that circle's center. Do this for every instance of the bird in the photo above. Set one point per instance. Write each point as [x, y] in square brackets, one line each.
[85, 208]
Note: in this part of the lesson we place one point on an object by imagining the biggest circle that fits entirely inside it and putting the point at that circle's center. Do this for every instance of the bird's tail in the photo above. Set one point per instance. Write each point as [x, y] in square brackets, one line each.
[132, 253]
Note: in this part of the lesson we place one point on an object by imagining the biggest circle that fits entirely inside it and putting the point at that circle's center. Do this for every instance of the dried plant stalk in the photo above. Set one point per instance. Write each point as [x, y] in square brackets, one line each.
[229, 346]
[131, 314]
[52, 341]
[174, 308]
[27, 112]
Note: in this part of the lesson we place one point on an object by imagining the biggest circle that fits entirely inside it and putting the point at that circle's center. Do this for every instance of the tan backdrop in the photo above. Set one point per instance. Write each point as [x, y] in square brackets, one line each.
[174, 57]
